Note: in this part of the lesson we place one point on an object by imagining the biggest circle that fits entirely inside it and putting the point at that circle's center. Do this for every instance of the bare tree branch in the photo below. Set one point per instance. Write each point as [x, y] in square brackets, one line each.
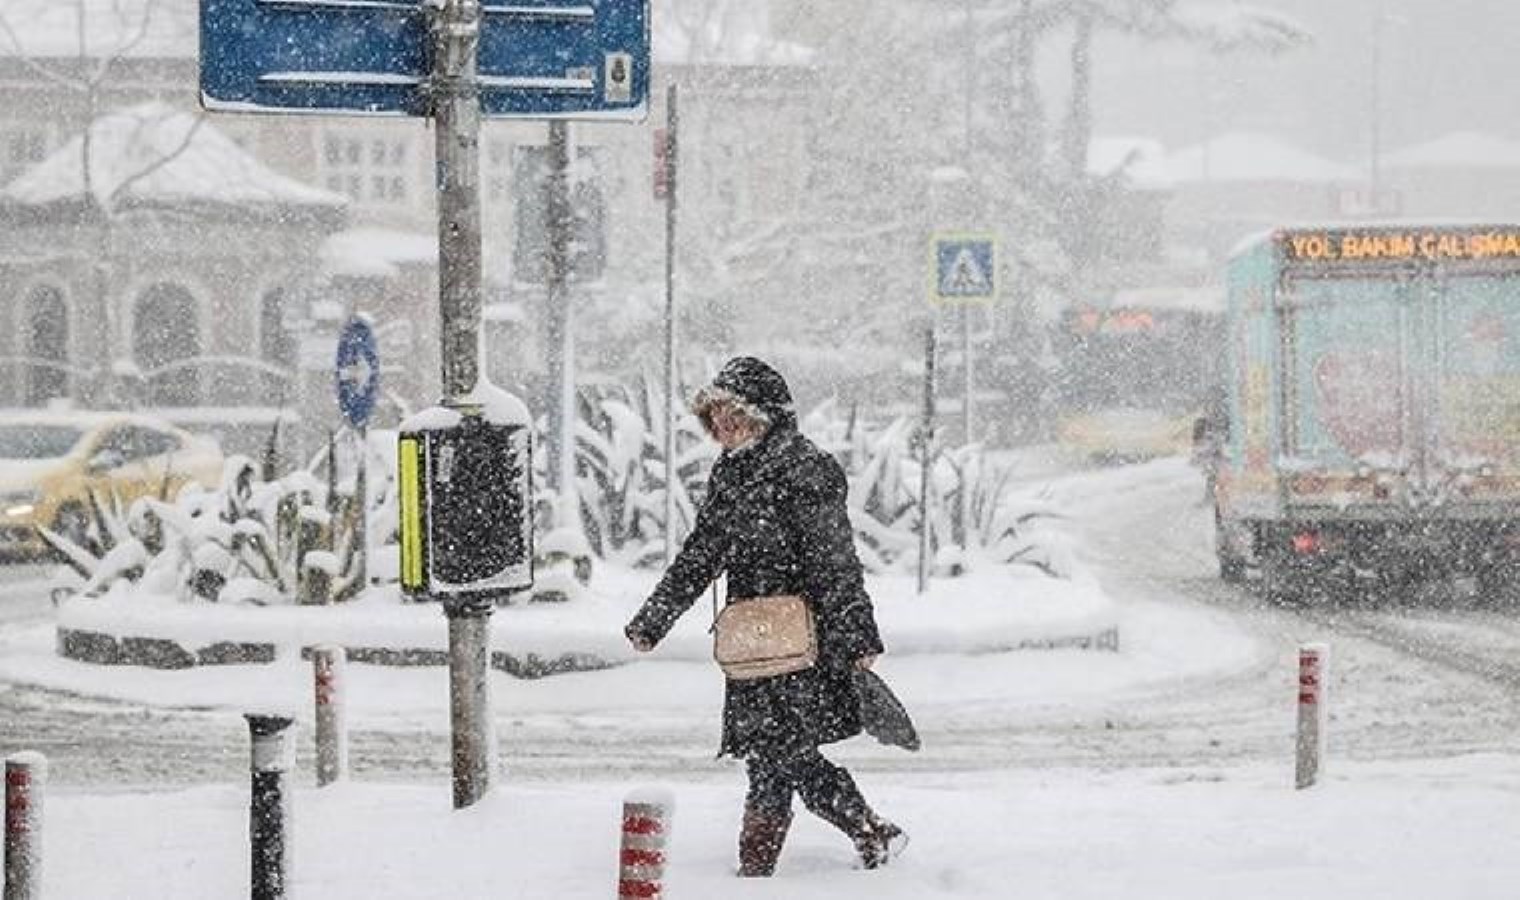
[9, 33]
[163, 160]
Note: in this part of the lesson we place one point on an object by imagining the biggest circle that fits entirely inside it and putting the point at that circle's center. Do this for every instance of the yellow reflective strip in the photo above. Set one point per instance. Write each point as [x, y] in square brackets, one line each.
[411, 512]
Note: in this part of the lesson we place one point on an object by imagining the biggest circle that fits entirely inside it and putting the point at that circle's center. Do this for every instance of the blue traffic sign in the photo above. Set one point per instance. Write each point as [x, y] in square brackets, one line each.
[358, 371]
[537, 58]
[965, 267]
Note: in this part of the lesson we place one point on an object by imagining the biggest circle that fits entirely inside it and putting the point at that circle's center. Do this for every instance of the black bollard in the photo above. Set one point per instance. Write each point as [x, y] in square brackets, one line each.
[268, 806]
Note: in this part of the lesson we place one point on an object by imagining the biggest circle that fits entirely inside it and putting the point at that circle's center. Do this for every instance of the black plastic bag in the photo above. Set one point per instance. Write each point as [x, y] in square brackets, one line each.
[882, 714]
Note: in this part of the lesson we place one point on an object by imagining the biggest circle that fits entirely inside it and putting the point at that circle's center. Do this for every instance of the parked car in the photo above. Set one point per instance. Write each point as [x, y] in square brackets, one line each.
[51, 463]
[1126, 435]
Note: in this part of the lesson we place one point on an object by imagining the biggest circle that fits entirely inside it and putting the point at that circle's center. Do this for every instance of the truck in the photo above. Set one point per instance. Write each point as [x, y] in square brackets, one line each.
[1368, 423]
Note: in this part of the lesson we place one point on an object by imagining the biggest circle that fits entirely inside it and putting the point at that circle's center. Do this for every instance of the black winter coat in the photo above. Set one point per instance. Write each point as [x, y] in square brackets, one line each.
[775, 521]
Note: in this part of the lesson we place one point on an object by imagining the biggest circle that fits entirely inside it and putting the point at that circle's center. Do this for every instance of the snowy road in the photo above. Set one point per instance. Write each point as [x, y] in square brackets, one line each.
[1434, 678]
[1424, 681]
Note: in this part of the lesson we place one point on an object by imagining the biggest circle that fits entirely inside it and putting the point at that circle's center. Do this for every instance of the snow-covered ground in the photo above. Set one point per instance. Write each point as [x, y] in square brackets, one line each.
[1163, 769]
[1389, 831]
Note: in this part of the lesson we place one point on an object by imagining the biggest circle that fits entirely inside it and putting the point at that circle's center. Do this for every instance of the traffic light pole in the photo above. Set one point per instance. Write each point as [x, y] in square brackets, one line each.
[455, 30]
[672, 473]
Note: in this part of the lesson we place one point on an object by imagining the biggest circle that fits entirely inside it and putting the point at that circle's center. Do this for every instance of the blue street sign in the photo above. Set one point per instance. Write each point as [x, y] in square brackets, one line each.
[358, 371]
[538, 58]
[964, 266]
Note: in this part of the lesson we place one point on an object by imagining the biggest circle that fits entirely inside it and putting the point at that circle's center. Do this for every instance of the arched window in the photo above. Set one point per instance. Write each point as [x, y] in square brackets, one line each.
[166, 333]
[47, 346]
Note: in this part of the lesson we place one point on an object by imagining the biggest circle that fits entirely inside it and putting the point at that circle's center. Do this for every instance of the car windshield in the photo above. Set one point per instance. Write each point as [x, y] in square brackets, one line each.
[37, 441]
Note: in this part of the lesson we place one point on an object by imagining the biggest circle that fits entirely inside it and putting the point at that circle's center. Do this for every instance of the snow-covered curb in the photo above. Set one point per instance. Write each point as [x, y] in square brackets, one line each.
[994, 609]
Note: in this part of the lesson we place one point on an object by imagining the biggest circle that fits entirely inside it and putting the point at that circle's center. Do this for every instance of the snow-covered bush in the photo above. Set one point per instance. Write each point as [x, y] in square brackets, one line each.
[970, 512]
[293, 539]
[621, 481]
[620, 471]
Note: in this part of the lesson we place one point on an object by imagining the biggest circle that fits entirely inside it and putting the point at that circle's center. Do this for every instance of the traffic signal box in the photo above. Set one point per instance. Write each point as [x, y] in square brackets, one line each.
[466, 510]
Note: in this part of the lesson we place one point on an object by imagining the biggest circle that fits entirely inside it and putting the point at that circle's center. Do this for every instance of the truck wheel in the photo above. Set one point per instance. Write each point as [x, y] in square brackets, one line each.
[1499, 584]
[1232, 566]
[1232, 569]
[1283, 582]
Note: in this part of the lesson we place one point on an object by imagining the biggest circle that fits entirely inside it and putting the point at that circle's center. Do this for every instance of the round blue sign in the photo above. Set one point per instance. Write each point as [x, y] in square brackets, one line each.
[358, 371]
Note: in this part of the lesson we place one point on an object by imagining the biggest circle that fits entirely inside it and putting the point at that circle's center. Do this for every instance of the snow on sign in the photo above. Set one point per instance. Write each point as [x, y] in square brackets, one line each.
[965, 267]
[538, 58]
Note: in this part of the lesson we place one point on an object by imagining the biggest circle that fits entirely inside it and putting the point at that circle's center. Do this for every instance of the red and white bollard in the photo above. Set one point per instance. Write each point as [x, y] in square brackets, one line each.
[25, 777]
[328, 663]
[647, 818]
[1313, 665]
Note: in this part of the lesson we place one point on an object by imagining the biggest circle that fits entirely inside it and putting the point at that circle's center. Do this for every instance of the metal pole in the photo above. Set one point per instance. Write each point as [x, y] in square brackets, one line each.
[456, 112]
[1375, 149]
[671, 473]
[926, 436]
[25, 778]
[970, 68]
[455, 29]
[557, 288]
[966, 401]
[268, 806]
[361, 496]
[473, 744]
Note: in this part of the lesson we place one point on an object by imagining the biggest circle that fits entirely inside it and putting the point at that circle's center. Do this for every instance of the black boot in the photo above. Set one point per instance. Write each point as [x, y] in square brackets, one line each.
[836, 799]
[760, 840]
[877, 841]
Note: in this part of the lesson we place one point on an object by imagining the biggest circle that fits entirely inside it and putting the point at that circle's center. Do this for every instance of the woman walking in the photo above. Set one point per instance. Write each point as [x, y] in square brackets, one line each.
[775, 521]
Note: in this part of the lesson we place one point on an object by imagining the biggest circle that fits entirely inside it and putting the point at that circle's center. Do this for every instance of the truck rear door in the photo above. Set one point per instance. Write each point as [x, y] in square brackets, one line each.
[1475, 422]
[1349, 383]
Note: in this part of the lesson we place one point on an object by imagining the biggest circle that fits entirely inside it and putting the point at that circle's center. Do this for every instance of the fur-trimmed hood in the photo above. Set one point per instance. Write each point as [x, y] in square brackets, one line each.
[751, 385]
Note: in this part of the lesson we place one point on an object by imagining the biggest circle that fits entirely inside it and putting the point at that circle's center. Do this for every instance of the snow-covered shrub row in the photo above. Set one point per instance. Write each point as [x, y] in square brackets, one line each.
[620, 454]
[971, 516]
[620, 471]
[293, 539]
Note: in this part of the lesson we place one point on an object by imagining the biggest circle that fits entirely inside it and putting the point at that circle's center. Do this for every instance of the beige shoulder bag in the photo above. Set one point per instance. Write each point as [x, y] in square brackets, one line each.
[763, 637]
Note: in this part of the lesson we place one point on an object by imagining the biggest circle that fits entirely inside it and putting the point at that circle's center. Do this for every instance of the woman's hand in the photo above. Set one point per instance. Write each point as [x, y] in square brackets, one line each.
[865, 663]
[639, 640]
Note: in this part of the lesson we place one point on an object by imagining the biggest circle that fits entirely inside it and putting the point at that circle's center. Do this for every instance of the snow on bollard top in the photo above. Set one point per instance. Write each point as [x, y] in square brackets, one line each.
[29, 759]
[569, 541]
[496, 406]
[662, 797]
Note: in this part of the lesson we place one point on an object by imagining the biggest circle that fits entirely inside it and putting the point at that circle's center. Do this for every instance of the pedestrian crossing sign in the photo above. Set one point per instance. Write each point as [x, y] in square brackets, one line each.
[964, 266]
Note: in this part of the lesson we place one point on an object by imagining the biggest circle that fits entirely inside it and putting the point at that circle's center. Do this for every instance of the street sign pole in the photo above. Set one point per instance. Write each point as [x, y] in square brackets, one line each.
[361, 524]
[455, 30]
[358, 381]
[668, 161]
[968, 404]
[453, 60]
[927, 438]
[561, 343]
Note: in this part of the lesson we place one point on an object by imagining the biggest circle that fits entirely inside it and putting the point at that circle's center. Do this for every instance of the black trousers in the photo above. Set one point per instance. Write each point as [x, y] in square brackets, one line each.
[826, 790]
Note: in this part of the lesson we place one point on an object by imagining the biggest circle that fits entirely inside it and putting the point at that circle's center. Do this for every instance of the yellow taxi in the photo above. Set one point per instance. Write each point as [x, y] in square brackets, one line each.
[50, 463]
[1127, 435]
